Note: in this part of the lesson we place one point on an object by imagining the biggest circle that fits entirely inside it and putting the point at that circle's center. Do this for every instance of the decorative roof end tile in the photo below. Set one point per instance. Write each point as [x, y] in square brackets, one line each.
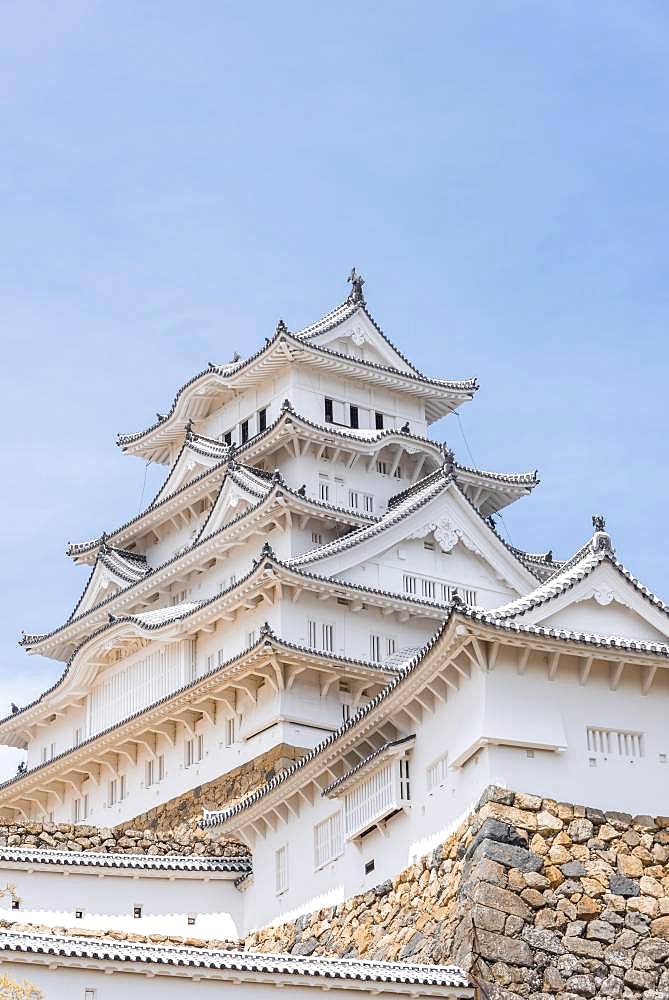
[356, 282]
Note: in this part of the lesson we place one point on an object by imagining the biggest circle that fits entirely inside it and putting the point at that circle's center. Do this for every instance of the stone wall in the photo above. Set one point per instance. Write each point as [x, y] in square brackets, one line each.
[170, 828]
[533, 897]
[179, 816]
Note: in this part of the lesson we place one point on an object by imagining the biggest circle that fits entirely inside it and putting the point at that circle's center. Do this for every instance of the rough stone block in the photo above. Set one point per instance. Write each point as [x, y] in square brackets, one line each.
[660, 927]
[501, 899]
[585, 986]
[621, 885]
[522, 818]
[523, 800]
[543, 940]
[580, 830]
[509, 855]
[548, 823]
[573, 869]
[498, 948]
[583, 947]
[630, 866]
[600, 930]
[619, 820]
[488, 919]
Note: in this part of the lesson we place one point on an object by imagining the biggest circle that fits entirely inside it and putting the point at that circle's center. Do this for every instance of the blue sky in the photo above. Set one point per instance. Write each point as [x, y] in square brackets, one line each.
[176, 177]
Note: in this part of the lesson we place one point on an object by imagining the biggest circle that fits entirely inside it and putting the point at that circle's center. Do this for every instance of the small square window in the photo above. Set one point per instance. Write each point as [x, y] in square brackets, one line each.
[369, 867]
[90, 993]
[137, 912]
[662, 758]
[16, 904]
[592, 762]
[191, 919]
[79, 914]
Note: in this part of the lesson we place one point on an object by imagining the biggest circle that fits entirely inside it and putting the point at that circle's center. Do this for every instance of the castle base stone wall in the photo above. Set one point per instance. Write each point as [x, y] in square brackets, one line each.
[170, 828]
[533, 897]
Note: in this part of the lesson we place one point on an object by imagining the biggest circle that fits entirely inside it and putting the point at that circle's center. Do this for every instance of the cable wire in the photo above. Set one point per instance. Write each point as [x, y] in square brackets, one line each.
[473, 461]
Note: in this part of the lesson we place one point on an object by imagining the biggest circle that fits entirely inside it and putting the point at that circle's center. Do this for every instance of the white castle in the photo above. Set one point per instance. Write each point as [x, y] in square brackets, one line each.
[317, 573]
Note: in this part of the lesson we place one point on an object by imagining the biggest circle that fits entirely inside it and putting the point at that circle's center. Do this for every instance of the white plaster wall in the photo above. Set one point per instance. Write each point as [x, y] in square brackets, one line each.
[459, 568]
[68, 983]
[50, 896]
[527, 709]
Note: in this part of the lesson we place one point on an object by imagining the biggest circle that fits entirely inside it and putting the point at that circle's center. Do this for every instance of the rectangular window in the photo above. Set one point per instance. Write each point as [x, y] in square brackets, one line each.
[229, 732]
[281, 870]
[328, 841]
[382, 468]
[250, 639]
[328, 637]
[378, 421]
[149, 778]
[316, 538]
[398, 472]
[616, 743]
[262, 420]
[390, 645]
[324, 489]
[405, 788]
[329, 411]
[90, 994]
[429, 546]
[137, 912]
[78, 736]
[161, 766]
[311, 625]
[44, 753]
[368, 503]
[80, 808]
[210, 663]
[437, 772]
[353, 412]
[121, 788]
[375, 648]
[244, 431]
[410, 583]
[353, 499]
[429, 589]
[193, 751]
[227, 437]
[112, 793]
[345, 711]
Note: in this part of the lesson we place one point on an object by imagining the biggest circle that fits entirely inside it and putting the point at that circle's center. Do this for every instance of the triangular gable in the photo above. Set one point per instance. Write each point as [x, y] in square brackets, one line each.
[239, 491]
[438, 509]
[350, 329]
[603, 602]
[453, 562]
[112, 572]
[190, 463]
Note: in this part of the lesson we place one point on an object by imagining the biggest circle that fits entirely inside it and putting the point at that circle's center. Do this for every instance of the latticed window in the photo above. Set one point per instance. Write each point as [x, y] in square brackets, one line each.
[615, 743]
[369, 800]
[437, 772]
[328, 840]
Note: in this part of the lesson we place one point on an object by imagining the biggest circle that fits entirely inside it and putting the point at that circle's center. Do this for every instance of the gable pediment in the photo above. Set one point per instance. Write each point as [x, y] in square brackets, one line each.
[232, 500]
[604, 602]
[455, 527]
[102, 584]
[358, 337]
